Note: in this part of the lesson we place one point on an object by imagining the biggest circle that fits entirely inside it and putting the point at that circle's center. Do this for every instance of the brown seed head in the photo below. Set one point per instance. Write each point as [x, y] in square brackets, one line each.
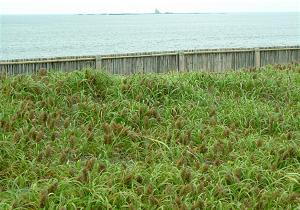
[178, 123]
[106, 128]
[72, 140]
[40, 135]
[232, 126]
[178, 201]
[48, 151]
[54, 136]
[186, 174]
[67, 122]
[200, 188]
[149, 190]
[212, 111]
[133, 136]
[131, 207]
[32, 134]
[198, 205]
[289, 135]
[118, 128]
[238, 173]
[229, 146]
[43, 198]
[139, 97]
[125, 88]
[229, 178]
[259, 143]
[84, 176]
[91, 127]
[128, 179]
[183, 207]
[72, 172]
[201, 136]
[139, 179]
[181, 161]
[101, 167]
[174, 113]
[153, 200]
[50, 123]
[205, 167]
[213, 121]
[52, 188]
[31, 115]
[58, 113]
[90, 164]
[43, 117]
[219, 191]
[146, 121]
[90, 136]
[17, 136]
[108, 139]
[42, 72]
[294, 197]
[187, 137]
[64, 156]
[152, 112]
[226, 133]
[202, 148]
[186, 189]
[40, 156]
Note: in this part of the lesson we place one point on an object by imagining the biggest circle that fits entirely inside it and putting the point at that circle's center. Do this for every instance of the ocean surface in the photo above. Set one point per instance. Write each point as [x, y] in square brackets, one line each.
[30, 36]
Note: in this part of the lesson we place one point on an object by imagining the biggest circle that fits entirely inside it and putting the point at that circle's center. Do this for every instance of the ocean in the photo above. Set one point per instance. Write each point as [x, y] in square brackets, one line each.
[31, 36]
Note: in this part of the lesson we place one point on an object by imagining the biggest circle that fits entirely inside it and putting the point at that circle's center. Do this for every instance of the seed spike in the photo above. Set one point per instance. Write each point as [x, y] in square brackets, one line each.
[43, 198]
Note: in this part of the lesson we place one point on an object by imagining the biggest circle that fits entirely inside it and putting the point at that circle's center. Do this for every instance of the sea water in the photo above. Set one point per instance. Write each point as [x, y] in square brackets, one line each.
[30, 36]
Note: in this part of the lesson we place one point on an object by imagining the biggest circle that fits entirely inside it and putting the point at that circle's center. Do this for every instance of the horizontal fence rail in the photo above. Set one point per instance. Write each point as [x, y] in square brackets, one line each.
[210, 60]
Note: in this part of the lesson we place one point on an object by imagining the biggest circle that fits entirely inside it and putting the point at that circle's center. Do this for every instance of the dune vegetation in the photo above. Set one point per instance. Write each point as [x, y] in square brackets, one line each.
[89, 140]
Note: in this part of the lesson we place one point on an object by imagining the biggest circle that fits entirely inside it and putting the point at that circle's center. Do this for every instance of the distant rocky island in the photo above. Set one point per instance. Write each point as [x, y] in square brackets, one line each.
[156, 12]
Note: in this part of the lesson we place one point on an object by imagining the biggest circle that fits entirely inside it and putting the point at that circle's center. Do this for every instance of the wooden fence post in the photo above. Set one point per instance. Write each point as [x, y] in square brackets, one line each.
[181, 62]
[257, 57]
[98, 62]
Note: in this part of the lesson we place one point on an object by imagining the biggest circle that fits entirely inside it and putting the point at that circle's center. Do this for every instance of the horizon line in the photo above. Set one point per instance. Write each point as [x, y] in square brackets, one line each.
[150, 13]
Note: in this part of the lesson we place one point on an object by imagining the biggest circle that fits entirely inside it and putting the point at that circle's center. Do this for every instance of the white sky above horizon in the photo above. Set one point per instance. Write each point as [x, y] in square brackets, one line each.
[144, 6]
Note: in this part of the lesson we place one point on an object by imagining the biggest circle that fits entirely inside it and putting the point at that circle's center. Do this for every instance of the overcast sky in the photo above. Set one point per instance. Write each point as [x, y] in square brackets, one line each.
[140, 6]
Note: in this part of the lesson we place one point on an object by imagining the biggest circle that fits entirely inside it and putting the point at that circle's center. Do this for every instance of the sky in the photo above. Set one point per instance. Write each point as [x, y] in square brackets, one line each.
[144, 6]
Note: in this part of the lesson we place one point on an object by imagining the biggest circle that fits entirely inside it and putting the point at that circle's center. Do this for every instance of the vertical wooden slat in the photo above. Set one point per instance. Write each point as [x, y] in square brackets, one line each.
[181, 61]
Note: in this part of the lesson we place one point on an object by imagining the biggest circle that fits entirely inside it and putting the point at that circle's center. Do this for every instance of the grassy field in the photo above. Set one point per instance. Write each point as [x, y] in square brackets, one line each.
[88, 140]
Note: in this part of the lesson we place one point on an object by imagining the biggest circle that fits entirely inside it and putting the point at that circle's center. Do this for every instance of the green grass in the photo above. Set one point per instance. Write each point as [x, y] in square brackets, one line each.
[88, 140]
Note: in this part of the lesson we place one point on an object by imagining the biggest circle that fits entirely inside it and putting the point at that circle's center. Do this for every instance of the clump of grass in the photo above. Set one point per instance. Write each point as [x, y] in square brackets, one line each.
[90, 140]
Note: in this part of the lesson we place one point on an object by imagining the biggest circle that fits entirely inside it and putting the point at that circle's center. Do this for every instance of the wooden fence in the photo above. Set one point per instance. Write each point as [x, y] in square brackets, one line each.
[211, 60]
